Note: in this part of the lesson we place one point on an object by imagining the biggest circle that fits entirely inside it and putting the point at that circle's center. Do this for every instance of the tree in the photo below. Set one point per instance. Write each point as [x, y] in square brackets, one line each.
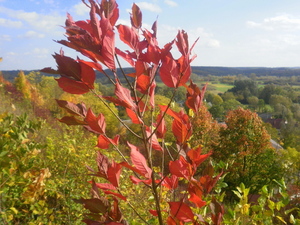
[253, 102]
[245, 88]
[245, 144]
[205, 130]
[268, 91]
[217, 100]
[173, 203]
[227, 96]
[23, 85]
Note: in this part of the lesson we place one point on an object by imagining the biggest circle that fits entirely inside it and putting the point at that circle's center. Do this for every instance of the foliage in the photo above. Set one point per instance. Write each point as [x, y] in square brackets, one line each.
[205, 130]
[244, 88]
[22, 182]
[177, 195]
[268, 207]
[245, 145]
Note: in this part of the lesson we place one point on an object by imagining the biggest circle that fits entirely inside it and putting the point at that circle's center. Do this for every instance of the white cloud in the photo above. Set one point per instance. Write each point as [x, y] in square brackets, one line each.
[171, 3]
[41, 51]
[149, 6]
[46, 23]
[5, 37]
[81, 9]
[10, 23]
[281, 22]
[38, 52]
[32, 34]
[205, 39]
[11, 53]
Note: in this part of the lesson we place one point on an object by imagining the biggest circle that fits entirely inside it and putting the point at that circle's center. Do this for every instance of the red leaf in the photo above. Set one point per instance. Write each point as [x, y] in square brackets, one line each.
[217, 211]
[171, 221]
[196, 157]
[97, 124]
[113, 173]
[208, 182]
[170, 182]
[108, 50]
[181, 127]
[139, 161]
[153, 140]
[110, 10]
[128, 36]
[125, 164]
[128, 57]
[181, 131]
[105, 186]
[143, 83]
[169, 72]
[133, 116]
[115, 194]
[94, 65]
[103, 164]
[103, 142]
[152, 93]
[195, 97]
[136, 17]
[72, 86]
[95, 205]
[170, 112]
[197, 200]
[161, 128]
[87, 74]
[49, 70]
[123, 94]
[182, 42]
[181, 168]
[135, 180]
[67, 66]
[153, 54]
[76, 109]
[181, 211]
[71, 120]
[153, 212]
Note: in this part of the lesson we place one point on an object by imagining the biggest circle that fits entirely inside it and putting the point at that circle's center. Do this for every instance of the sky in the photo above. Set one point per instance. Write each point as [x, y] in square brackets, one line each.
[233, 33]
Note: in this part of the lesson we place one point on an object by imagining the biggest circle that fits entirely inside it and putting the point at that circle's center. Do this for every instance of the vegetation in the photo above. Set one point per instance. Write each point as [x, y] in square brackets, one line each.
[156, 152]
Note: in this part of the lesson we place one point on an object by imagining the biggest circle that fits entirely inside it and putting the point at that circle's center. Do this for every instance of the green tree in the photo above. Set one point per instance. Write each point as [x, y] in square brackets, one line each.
[253, 102]
[245, 145]
[228, 96]
[244, 88]
[217, 100]
[23, 85]
[268, 91]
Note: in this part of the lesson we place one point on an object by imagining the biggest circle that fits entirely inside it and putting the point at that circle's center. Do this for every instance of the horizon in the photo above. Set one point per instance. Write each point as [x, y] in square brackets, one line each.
[238, 34]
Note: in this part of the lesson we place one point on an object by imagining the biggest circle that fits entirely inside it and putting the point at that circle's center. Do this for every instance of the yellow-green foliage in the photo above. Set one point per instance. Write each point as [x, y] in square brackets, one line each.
[42, 171]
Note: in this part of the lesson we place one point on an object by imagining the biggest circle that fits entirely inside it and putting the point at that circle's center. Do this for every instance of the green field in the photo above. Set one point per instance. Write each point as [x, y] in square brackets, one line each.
[218, 88]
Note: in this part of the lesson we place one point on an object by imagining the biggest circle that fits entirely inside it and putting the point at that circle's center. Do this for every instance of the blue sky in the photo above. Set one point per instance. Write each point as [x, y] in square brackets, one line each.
[232, 32]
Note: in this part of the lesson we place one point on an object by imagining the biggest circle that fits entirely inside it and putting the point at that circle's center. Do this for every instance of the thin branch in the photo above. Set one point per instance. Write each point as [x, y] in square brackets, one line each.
[120, 120]
[123, 72]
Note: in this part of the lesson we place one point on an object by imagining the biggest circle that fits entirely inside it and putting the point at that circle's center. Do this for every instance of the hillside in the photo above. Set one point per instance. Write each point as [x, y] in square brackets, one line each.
[205, 71]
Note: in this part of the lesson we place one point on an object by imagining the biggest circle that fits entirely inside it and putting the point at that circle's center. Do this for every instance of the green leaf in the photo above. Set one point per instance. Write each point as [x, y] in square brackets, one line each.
[265, 189]
[2, 154]
[237, 194]
[292, 219]
[14, 210]
[281, 219]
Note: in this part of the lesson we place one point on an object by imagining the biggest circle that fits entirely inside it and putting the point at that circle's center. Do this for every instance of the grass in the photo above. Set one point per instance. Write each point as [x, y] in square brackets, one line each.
[218, 88]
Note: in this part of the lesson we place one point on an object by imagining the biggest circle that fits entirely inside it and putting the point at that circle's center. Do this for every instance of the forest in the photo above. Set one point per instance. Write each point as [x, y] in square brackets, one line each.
[159, 143]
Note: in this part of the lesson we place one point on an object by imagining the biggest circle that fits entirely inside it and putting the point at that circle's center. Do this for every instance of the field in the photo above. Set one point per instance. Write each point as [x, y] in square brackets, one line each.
[218, 87]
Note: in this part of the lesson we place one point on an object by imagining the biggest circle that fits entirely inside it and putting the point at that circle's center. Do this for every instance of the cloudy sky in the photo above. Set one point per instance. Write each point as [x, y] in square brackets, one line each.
[232, 32]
